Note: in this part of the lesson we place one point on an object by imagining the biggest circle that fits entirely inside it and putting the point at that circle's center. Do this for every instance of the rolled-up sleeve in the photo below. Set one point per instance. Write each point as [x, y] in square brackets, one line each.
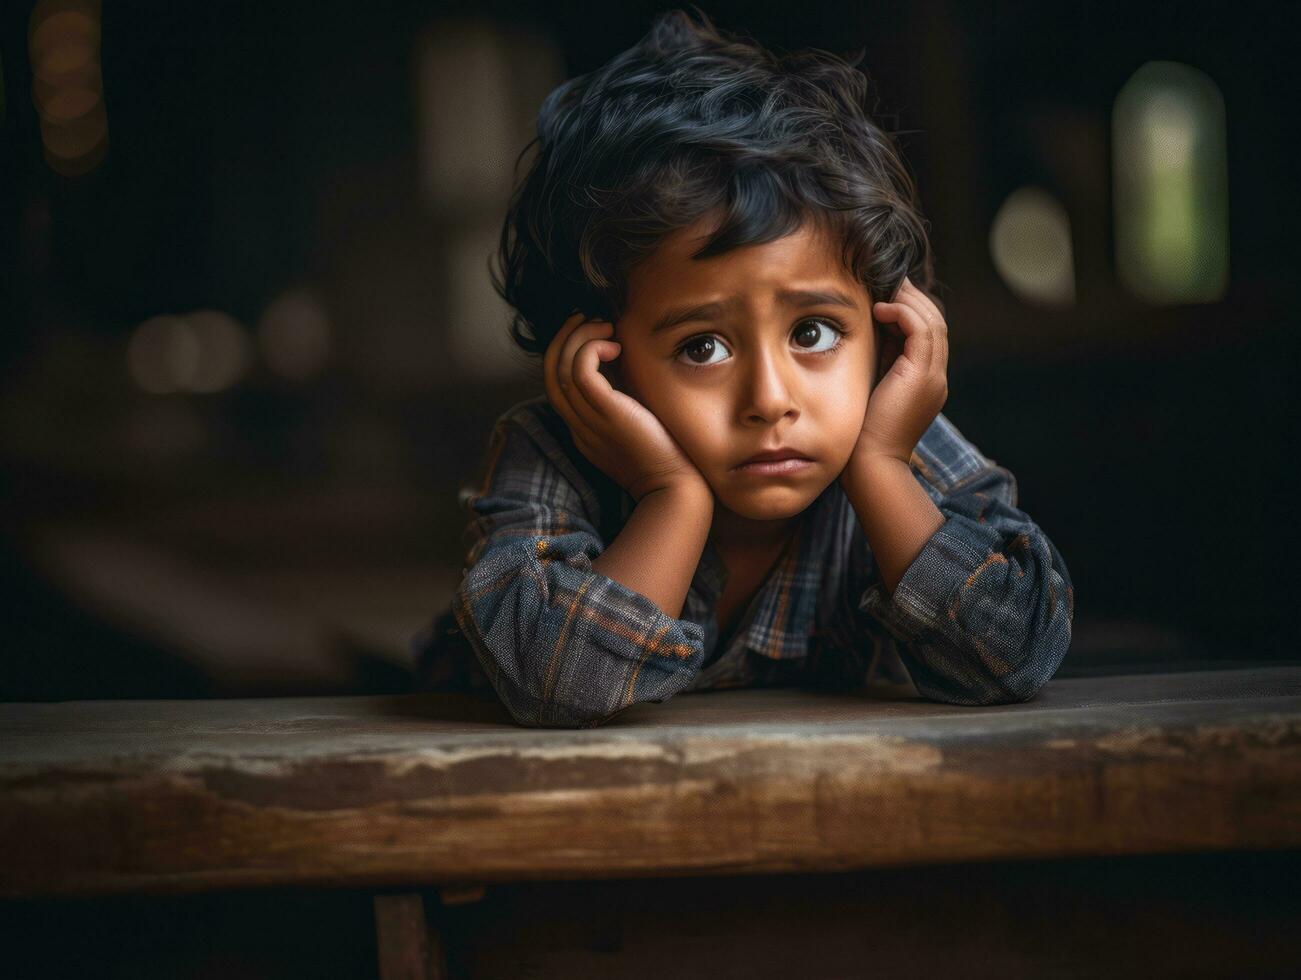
[983, 614]
[563, 645]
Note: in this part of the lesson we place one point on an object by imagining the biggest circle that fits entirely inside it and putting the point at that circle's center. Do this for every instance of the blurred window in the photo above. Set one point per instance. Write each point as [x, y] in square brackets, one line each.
[1171, 185]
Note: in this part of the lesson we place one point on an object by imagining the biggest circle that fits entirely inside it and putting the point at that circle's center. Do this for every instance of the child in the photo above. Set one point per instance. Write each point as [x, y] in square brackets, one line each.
[698, 252]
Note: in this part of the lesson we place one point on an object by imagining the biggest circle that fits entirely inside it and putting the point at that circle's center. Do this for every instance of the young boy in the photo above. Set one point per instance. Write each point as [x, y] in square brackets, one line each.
[732, 221]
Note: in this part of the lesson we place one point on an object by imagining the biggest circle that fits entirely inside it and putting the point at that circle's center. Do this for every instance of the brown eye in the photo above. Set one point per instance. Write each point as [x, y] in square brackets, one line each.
[704, 345]
[806, 334]
[698, 350]
[811, 329]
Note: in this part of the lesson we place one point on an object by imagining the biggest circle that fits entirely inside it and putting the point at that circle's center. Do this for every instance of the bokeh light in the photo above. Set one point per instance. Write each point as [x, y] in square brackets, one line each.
[225, 351]
[205, 351]
[162, 354]
[478, 86]
[466, 141]
[1171, 185]
[478, 324]
[1030, 243]
[294, 334]
[67, 87]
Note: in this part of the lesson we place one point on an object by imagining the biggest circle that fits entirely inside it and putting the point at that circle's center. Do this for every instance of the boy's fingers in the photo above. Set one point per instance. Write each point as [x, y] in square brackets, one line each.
[934, 319]
[919, 339]
[566, 328]
[588, 379]
[569, 350]
[924, 301]
[588, 414]
[927, 334]
[564, 405]
[551, 359]
[560, 396]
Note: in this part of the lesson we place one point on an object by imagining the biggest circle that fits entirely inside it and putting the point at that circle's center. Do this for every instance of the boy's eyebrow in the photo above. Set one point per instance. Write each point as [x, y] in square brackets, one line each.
[712, 311]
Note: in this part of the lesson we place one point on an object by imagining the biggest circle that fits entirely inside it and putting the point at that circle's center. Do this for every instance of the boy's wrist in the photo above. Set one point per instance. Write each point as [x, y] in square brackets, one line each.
[658, 549]
[691, 491]
[675, 485]
[862, 471]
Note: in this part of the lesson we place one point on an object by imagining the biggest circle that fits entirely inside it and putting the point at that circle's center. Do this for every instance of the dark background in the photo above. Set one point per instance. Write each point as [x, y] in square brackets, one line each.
[286, 536]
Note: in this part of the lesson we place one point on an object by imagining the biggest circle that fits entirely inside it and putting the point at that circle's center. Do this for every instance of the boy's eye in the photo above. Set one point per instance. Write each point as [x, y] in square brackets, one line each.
[699, 350]
[814, 336]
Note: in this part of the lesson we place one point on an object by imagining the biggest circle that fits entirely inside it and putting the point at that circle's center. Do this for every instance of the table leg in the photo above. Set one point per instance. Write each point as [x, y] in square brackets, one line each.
[409, 947]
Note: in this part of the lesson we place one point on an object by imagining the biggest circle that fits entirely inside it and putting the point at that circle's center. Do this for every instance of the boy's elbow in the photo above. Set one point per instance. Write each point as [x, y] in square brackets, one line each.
[1035, 654]
[989, 693]
[519, 684]
[1041, 666]
[984, 686]
[1018, 692]
[557, 716]
[581, 683]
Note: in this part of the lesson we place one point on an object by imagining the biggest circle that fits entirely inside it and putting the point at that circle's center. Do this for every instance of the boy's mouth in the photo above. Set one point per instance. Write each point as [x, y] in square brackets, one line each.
[782, 467]
[775, 456]
[785, 461]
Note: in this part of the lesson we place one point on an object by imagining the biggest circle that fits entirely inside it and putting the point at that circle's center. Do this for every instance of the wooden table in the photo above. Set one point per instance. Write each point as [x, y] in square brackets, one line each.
[730, 795]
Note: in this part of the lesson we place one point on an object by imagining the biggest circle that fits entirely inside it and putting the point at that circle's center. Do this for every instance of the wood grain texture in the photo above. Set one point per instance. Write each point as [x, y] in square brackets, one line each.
[100, 797]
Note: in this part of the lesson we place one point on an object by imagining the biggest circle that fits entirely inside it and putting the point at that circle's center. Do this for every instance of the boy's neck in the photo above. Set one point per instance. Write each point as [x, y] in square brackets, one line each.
[730, 532]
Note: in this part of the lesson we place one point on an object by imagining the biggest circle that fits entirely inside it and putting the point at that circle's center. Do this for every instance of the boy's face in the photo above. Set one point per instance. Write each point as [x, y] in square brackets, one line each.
[754, 374]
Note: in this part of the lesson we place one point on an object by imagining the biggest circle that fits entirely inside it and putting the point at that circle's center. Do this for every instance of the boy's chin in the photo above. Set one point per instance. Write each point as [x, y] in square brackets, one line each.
[771, 503]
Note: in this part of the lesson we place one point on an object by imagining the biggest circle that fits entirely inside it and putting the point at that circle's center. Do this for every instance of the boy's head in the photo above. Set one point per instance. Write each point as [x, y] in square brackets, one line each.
[696, 167]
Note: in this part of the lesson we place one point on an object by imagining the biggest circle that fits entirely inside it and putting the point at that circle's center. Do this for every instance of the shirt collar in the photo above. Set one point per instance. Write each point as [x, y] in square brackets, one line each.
[785, 608]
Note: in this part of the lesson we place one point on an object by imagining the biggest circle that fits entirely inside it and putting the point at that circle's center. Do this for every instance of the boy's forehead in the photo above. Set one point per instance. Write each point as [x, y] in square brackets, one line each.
[810, 252]
[807, 250]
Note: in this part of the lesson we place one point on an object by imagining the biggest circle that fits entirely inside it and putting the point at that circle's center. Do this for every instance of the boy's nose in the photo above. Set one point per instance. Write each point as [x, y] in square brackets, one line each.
[769, 393]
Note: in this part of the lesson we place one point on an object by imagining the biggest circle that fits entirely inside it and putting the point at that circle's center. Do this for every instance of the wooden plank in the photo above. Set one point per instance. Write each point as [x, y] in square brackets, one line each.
[110, 797]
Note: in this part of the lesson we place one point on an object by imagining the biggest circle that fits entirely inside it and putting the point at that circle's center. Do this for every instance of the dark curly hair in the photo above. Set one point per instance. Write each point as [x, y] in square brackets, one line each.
[689, 121]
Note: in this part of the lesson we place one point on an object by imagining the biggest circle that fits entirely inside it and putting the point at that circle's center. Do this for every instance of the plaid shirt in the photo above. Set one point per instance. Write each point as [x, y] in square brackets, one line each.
[981, 616]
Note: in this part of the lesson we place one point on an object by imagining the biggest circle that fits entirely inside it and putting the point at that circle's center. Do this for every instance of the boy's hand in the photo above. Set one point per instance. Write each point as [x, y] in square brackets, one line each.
[620, 435]
[903, 403]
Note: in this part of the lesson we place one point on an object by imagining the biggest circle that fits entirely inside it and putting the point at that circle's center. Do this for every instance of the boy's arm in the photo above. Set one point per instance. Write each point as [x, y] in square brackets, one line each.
[568, 631]
[658, 549]
[984, 609]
